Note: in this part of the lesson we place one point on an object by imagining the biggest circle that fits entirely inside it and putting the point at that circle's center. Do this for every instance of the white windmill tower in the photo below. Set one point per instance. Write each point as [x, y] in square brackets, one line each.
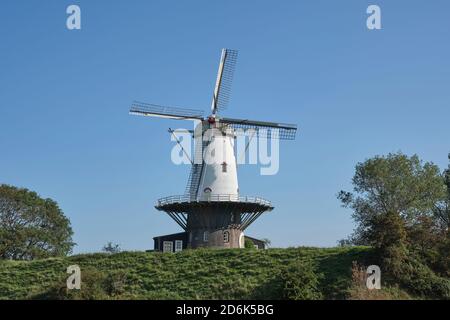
[212, 212]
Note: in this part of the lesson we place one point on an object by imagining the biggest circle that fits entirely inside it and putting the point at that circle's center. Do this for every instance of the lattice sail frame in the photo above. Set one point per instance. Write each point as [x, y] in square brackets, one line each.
[154, 110]
[224, 80]
[282, 131]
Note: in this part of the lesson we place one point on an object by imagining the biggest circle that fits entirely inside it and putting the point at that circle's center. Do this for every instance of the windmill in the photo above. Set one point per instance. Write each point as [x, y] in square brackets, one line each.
[212, 212]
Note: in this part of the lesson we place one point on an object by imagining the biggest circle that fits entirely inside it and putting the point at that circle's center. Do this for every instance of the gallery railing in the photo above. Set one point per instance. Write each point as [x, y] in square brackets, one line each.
[186, 198]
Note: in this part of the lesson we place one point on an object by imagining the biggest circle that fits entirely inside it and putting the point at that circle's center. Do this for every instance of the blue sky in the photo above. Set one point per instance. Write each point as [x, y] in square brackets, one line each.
[65, 131]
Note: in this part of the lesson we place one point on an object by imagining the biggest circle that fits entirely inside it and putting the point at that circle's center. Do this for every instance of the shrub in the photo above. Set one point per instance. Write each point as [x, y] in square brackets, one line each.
[94, 286]
[248, 244]
[300, 281]
[420, 279]
[111, 248]
[359, 291]
[115, 283]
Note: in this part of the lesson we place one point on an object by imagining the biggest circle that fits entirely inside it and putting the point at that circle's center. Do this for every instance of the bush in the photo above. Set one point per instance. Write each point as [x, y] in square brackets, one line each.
[115, 283]
[359, 291]
[420, 279]
[300, 281]
[111, 248]
[94, 286]
[248, 244]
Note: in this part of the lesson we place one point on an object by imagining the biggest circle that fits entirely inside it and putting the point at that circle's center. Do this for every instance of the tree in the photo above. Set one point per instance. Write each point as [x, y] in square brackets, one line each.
[32, 227]
[442, 215]
[393, 204]
[442, 209]
[344, 243]
[111, 248]
[391, 185]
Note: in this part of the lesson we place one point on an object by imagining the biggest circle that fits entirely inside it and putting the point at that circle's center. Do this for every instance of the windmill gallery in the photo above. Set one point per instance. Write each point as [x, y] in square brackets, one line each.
[212, 212]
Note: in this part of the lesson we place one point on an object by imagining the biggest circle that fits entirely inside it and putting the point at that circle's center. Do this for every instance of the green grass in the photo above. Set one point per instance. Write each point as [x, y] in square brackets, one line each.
[191, 274]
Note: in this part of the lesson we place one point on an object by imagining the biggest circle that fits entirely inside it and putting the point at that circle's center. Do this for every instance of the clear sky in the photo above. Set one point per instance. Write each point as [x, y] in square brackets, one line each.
[65, 131]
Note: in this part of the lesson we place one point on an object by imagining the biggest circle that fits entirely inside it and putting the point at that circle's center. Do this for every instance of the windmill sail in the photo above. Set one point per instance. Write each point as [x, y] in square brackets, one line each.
[195, 174]
[153, 110]
[224, 80]
[274, 130]
[194, 180]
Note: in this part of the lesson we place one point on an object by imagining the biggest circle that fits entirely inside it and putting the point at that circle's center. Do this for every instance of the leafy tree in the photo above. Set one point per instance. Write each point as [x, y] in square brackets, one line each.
[31, 227]
[388, 237]
[425, 238]
[442, 209]
[442, 215]
[111, 248]
[344, 243]
[391, 185]
[394, 204]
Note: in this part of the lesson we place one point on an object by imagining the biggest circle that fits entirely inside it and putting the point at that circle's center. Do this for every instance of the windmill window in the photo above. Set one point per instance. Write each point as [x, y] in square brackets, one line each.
[205, 236]
[178, 245]
[167, 246]
[207, 190]
[226, 237]
[224, 167]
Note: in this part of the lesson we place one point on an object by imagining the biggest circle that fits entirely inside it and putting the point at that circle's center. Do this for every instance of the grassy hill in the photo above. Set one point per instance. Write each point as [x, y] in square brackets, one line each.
[191, 274]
